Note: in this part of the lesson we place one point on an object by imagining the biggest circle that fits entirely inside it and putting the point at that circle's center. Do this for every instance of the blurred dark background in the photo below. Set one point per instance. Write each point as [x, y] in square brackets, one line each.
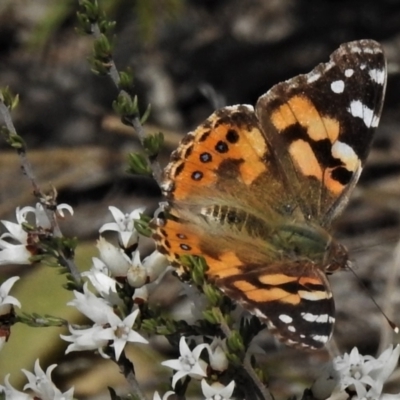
[189, 56]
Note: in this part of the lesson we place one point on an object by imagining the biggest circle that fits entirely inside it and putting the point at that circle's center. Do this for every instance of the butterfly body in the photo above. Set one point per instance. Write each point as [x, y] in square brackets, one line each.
[254, 191]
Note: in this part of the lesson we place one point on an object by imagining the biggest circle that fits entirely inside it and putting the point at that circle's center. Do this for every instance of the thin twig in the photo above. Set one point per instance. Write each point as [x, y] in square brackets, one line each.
[391, 286]
[266, 395]
[127, 369]
[135, 122]
[254, 377]
[42, 198]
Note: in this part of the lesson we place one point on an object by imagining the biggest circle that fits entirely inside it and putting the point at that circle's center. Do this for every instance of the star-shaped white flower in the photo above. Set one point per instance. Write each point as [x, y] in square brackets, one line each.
[217, 391]
[124, 225]
[121, 332]
[43, 387]
[189, 362]
[12, 394]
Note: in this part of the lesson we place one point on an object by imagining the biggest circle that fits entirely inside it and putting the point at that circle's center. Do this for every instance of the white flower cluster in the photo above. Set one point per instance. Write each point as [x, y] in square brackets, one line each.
[351, 376]
[115, 266]
[39, 384]
[17, 249]
[190, 364]
[357, 377]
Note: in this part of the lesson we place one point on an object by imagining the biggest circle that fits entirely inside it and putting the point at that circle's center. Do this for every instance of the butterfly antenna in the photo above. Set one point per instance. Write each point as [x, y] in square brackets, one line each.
[361, 283]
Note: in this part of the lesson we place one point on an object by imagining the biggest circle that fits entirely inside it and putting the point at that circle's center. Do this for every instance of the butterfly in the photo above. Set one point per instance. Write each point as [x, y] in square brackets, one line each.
[255, 190]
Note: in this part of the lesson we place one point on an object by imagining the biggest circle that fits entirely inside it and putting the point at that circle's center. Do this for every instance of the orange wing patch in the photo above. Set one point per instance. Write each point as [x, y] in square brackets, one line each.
[301, 110]
[228, 145]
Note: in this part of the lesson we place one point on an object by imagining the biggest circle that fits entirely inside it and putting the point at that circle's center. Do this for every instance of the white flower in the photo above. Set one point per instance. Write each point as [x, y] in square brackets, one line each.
[137, 274]
[11, 393]
[86, 339]
[141, 295]
[188, 363]
[15, 253]
[217, 391]
[118, 263]
[104, 284]
[155, 264]
[363, 375]
[41, 218]
[121, 332]
[40, 383]
[217, 355]
[165, 397]
[90, 305]
[5, 299]
[15, 230]
[124, 225]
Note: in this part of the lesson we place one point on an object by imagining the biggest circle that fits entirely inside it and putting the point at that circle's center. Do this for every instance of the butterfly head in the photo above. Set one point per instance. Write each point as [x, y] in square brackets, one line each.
[336, 258]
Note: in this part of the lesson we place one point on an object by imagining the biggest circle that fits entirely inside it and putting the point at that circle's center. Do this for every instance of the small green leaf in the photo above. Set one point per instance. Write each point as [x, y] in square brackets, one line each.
[126, 81]
[13, 139]
[102, 48]
[91, 10]
[145, 115]
[8, 98]
[126, 107]
[106, 27]
[235, 342]
[153, 144]
[142, 225]
[84, 24]
[213, 294]
[210, 316]
[138, 164]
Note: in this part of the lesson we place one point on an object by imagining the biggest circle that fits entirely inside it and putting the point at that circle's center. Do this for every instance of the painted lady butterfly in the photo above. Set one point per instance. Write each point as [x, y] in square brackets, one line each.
[255, 191]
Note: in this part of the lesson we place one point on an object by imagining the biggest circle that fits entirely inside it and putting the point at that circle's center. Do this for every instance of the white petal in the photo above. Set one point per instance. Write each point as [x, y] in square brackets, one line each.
[62, 207]
[110, 226]
[17, 254]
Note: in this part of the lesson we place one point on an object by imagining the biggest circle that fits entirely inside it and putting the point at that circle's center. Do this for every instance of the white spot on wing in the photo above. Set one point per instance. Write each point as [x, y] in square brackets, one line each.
[337, 86]
[355, 49]
[360, 110]
[291, 328]
[348, 73]
[236, 107]
[314, 296]
[321, 338]
[323, 318]
[346, 154]
[377, 75]
[313, 76]
[285, 318]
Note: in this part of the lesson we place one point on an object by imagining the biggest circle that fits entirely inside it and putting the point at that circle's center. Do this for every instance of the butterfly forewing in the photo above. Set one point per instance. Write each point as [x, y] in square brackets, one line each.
[320, 125]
